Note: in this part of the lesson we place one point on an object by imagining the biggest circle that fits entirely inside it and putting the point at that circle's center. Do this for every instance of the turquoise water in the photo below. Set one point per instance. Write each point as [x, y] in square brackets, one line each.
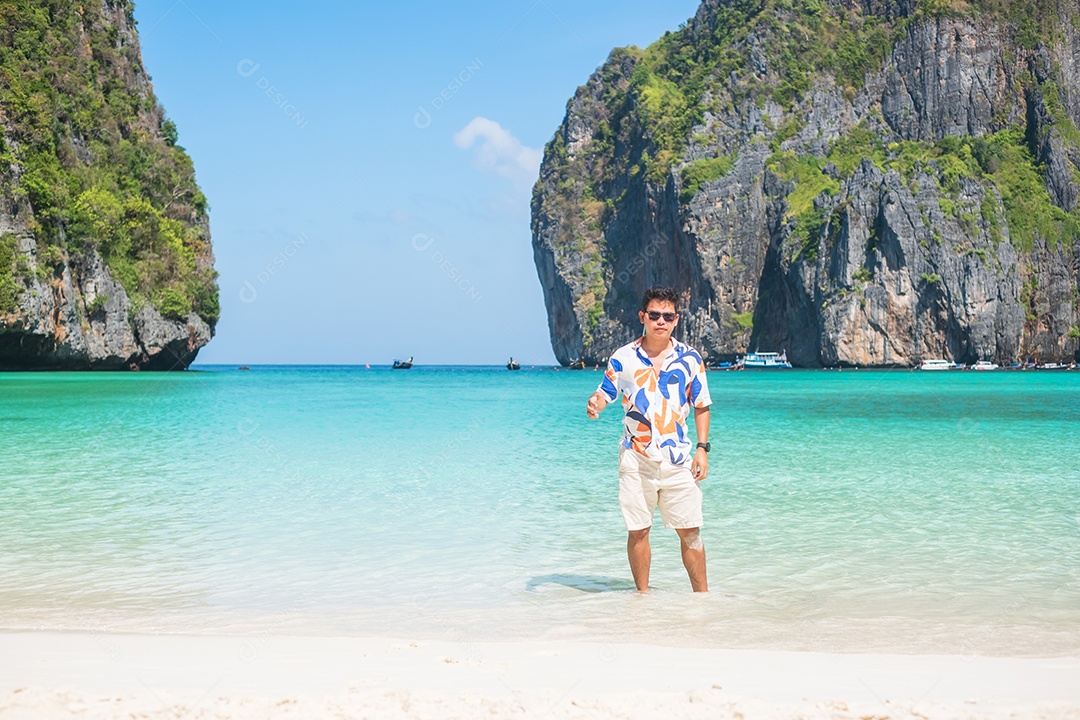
[851, 510]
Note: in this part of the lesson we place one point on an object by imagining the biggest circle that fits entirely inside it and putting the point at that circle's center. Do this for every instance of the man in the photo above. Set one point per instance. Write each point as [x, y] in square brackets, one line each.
[660, 379]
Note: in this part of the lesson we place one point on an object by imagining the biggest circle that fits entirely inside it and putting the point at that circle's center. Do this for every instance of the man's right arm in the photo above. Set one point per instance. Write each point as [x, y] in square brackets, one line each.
[608, 392]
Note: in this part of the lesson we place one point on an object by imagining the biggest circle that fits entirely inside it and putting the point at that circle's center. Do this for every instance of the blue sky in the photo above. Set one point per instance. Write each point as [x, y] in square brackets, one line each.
[369, 165]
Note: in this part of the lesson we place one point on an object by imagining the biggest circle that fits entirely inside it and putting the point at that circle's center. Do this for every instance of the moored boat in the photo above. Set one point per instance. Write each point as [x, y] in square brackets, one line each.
[578, 364]
[936, 365]
[985, 365]
[766, 360]
[513, 365]
[403, 364]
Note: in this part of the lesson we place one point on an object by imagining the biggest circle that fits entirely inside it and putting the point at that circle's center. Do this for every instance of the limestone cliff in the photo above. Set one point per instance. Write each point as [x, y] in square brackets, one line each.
[861, 184]
[105, 256]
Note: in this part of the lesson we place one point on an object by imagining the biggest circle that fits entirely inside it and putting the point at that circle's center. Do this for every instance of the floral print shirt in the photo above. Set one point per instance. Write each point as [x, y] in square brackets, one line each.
[657, 400]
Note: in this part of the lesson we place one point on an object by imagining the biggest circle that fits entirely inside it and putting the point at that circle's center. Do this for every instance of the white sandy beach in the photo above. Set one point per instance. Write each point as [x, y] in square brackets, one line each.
[93, 675]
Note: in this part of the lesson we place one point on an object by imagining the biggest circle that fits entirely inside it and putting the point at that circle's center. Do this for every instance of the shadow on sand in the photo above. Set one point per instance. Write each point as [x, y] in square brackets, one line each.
[585, 583]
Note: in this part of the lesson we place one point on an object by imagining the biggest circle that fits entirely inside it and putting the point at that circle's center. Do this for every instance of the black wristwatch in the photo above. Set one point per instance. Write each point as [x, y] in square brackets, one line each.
[705, 446]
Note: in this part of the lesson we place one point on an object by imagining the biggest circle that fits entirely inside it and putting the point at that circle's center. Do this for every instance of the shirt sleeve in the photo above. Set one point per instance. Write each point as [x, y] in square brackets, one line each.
[698, 389]
[609, 386]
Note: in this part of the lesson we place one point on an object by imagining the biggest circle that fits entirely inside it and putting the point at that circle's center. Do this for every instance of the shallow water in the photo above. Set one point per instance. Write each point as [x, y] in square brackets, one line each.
[851, 510]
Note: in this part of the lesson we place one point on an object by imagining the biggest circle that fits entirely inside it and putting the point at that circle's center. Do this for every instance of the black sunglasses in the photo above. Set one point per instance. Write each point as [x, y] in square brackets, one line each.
[655, 315]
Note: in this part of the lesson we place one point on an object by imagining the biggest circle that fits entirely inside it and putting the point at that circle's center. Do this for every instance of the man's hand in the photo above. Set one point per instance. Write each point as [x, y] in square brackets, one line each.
[700, 466]
[597, 402]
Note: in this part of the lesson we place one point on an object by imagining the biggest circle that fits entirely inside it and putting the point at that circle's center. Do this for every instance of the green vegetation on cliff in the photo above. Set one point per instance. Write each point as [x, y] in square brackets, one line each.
[1001, 162]
[86, 145]
[702, 171]
[1035, 21]
[799, 38]
[9, 289]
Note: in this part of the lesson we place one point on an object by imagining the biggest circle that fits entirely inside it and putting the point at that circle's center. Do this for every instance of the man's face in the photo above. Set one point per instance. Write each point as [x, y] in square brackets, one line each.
[665, 319]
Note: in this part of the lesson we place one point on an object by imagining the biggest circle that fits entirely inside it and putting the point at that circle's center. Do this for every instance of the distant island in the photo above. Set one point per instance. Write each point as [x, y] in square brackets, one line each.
[105, 255]
[870, 183]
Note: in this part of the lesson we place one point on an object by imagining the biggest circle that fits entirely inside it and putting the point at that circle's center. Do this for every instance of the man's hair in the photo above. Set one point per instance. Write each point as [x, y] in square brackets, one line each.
[659, 293]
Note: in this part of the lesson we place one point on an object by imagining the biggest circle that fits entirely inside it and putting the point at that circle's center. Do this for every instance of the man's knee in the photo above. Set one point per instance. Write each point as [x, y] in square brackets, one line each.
[639, 534]
[691, 537]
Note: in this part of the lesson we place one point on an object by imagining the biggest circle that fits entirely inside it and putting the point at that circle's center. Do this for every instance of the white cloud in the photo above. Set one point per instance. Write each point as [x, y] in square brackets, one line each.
[498, 151]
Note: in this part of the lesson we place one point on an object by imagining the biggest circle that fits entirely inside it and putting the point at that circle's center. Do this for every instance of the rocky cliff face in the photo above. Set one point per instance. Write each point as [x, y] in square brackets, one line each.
[76, 316]
[105, 258]
[867, 186]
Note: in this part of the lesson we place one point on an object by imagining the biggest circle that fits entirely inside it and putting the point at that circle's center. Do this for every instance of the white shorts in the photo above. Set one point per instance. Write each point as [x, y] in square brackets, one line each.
[646, 484]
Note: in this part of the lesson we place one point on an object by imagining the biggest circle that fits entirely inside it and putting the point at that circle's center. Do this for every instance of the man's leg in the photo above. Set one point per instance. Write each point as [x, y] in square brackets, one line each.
[640, 553]
[693, 558]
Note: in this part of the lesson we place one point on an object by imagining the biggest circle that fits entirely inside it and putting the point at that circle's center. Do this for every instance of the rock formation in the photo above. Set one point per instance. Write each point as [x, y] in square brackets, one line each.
[869, 184]
[105, 257]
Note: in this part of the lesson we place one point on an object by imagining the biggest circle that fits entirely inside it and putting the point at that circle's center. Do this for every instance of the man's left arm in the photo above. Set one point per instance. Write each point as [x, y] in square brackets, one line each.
[700, 466]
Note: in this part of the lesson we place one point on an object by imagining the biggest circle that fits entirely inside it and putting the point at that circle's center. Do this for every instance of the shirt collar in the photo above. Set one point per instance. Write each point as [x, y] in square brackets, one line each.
[641, 353]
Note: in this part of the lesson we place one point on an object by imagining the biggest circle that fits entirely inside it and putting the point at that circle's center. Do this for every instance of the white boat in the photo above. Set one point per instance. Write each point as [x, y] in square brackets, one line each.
[769, 360]
[985, 365]
[936, 365]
